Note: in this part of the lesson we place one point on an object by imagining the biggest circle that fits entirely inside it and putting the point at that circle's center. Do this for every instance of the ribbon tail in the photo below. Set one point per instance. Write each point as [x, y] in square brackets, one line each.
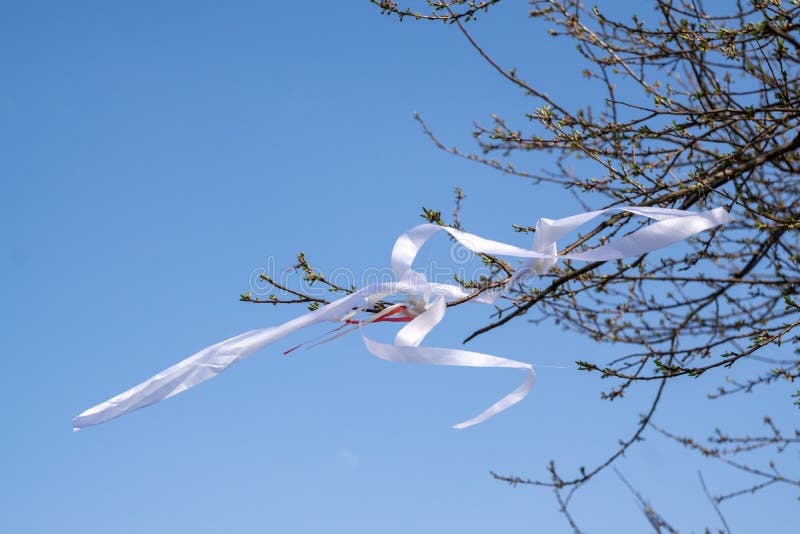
[503, 404]
[186, 374]
[655, 236]
[456, 357]
[212, 360]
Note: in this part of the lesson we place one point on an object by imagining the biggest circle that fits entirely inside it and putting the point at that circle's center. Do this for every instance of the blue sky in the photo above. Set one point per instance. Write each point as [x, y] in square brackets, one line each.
[155, 154]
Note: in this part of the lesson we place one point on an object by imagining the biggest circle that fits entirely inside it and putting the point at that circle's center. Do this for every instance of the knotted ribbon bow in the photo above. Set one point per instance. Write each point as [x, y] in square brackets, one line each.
[425, 307]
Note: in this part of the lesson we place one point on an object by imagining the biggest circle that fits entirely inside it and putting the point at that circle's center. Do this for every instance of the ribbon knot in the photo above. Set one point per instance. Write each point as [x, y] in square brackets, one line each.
[545, 242]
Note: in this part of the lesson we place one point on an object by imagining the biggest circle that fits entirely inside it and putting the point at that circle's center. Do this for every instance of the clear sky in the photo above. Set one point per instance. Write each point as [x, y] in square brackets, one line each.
[155, 154]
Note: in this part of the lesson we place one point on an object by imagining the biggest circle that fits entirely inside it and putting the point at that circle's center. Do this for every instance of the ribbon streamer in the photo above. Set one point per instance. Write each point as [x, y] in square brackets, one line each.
[425, 307]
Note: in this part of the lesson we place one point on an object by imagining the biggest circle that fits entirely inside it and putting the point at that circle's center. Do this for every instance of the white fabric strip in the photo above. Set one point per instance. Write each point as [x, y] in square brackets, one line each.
[657, 235]
[406, 350]
[212, 360]
[412, 334]
[462, 358]
[670, 227]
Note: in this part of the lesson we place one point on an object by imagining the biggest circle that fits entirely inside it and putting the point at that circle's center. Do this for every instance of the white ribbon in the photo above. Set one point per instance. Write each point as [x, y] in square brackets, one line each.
[427, 302]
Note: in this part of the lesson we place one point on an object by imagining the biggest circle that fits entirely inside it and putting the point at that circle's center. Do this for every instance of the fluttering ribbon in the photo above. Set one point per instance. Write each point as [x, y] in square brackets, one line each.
[425, 306]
